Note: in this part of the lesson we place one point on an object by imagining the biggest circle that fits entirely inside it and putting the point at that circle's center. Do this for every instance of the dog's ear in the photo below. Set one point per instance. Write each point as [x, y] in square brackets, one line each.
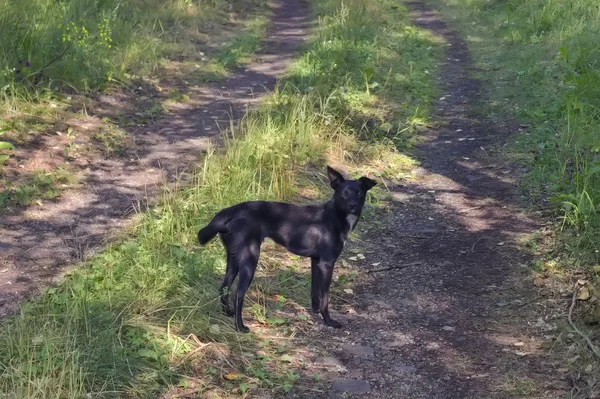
[367, 183]
[335, 177]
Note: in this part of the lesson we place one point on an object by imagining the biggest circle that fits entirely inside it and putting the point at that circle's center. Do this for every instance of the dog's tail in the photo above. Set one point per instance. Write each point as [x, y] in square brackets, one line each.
[216, 226]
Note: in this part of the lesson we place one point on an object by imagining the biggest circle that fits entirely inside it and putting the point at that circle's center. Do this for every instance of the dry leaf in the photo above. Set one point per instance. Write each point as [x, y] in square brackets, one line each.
[584, 294]
[231, 376]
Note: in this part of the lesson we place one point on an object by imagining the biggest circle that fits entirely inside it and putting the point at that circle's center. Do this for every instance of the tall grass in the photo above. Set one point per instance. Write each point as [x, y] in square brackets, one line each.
[544, 61]
[49, 45]
[143, 316]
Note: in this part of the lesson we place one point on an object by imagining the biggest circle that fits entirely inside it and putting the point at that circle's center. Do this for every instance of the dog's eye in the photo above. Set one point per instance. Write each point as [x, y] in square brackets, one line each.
[359, 193]
[345, 194]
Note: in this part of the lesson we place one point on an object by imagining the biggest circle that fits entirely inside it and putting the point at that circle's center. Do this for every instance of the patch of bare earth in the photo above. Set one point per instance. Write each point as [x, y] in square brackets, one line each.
[39, 241]
[446, 307]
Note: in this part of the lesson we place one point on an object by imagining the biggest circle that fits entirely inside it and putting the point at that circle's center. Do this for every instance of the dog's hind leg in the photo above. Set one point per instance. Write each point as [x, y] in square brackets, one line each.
[315, 289]
[230, 275]
[325, 272]
[248, 261]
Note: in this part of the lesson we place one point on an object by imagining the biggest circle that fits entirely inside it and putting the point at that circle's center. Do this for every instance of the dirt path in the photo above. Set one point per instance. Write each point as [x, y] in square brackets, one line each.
[446, 309]
[36, 244]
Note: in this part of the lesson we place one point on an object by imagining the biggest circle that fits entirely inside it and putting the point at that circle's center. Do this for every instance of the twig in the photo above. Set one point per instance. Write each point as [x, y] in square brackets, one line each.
[471, 209]
[53, 61]
[581, 334]
[473, 247]
[382, 269]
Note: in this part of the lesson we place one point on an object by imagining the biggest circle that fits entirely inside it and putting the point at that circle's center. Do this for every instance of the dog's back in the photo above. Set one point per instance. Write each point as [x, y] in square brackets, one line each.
[293, 226]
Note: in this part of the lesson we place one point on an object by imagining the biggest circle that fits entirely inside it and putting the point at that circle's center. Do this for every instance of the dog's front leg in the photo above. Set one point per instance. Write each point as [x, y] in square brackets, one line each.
[324, 270]
[315, 287]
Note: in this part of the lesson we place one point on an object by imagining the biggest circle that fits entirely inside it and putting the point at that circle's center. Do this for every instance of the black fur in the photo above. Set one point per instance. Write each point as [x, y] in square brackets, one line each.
[317, 232]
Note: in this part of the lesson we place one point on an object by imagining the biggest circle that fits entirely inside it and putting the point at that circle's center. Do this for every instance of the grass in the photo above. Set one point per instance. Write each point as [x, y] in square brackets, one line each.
[542, 61]
[55, 60]
[84, 44]
[142, 318]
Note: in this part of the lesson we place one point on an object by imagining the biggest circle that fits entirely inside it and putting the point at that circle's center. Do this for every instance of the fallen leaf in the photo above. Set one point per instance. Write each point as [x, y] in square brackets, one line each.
[538, 281]
[348, 291]
[231, 376]
[501, 243]
[276, 321]
[360, 256]
[375, 264]
[287, 358]
[519, 344]
[448, 328]
[352, 258]
[584, 294]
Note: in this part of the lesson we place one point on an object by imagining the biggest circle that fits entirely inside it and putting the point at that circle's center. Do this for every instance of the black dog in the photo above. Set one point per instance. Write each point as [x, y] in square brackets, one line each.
[317, 232]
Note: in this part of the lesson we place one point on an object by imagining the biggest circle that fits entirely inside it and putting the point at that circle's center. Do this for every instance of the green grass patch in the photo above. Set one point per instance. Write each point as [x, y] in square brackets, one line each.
[35, 186]
[240, 49]
[142, 317]
[543, 64]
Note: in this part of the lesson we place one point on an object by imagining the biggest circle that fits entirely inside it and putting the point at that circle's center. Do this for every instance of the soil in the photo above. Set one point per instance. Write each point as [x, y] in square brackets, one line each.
[37, 243]
[446, 308]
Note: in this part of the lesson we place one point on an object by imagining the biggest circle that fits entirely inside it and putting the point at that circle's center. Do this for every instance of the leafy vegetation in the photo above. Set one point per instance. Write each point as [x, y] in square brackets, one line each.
[142, 317]
[544, 65]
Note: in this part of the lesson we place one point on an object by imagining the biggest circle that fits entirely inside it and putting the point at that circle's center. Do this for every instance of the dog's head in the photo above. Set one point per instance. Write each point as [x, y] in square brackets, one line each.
[349, 196]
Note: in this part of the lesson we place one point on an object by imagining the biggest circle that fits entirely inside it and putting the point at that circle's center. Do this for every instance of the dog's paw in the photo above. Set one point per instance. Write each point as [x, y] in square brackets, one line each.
[228, 312]
[243, 329]
[334, 323]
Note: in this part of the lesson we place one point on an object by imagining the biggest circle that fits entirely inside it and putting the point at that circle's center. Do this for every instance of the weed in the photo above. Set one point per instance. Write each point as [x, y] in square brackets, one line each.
[113, 139]
[178, 96]
[36, 185]
[240, 49]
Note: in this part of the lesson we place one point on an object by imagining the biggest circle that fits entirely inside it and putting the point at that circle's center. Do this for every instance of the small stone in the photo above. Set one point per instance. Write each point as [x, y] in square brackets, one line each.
[329, 361]
[358, 350]
[351, 386]
[403, 369]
